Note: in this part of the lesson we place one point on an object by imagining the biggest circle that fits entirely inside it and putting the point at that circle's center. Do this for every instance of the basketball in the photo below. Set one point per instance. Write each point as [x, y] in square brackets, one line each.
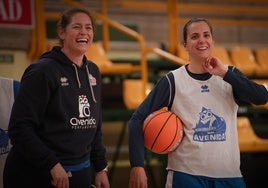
[162, 131]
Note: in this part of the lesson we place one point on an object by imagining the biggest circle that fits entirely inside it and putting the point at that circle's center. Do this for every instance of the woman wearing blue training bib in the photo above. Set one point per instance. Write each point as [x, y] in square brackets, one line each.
[205, 94]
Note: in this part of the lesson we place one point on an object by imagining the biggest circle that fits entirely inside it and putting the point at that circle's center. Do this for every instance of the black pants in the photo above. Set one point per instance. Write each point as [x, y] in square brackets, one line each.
[19, 173]
[81, 179]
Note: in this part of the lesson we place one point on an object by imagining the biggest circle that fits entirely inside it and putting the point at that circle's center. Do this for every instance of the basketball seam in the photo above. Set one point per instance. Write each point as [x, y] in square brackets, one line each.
[151, 120]
[177, 132]
[161, 130]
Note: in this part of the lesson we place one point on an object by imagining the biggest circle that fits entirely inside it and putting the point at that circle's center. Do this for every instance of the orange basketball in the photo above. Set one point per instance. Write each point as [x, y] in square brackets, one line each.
[162, 131]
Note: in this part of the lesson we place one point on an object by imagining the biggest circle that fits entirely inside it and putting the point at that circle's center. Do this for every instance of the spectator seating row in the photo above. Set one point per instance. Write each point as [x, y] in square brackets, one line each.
[97, 54]
[248, 139]
[253, 63]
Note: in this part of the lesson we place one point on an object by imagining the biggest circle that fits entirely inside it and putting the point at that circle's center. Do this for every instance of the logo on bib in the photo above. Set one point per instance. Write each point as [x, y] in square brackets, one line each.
[210, 127]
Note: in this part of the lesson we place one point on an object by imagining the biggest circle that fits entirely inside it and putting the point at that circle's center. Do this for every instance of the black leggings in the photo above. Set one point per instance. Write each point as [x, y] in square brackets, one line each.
[19, 173]
[81, 179]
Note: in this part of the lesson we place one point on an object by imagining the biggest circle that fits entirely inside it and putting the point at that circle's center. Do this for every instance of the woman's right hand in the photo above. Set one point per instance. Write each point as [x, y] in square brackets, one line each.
[138, 178]
[214, 66]
[59, 177]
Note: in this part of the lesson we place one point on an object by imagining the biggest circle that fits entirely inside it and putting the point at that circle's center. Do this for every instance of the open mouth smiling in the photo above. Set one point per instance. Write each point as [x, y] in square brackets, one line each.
[202, 48]
[85, 41]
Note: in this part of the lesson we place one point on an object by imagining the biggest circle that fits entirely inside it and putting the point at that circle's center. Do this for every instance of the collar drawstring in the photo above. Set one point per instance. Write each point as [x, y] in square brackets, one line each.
[77, 78]
[90, 85]
[79, 83]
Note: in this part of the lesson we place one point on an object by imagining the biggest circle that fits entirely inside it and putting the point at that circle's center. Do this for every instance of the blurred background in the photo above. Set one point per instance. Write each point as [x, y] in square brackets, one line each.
[137, 42]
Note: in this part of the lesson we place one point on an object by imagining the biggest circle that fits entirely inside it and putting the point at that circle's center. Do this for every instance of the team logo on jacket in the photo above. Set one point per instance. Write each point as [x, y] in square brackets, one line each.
[64, 81]
[92, 80]
[84, 106]
[4, 142]
[210, 127]
[84, 120]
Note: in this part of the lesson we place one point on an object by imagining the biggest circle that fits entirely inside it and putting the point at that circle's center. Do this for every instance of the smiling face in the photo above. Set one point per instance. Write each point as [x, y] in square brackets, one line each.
[78, 34]
[199, 41]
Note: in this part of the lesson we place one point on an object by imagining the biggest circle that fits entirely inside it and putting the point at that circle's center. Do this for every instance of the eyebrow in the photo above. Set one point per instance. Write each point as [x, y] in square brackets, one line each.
[77, 23]
[198, 33]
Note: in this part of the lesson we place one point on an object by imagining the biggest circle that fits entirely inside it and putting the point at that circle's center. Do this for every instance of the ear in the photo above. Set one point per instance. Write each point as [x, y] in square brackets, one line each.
[213, 42]
[184, 44]
[60, 33]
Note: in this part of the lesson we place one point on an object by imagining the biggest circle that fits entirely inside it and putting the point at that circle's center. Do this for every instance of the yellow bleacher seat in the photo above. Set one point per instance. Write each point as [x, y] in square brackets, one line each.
[265, 83]
[248, 140]
[132, 93]
[182, 53]
[262, 59]
[221, 53]
[244, 60]
[96, 53]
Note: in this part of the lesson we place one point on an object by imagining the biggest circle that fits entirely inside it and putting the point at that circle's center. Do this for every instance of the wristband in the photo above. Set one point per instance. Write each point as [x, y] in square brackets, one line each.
[105, 169]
